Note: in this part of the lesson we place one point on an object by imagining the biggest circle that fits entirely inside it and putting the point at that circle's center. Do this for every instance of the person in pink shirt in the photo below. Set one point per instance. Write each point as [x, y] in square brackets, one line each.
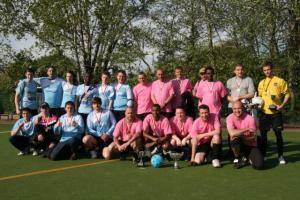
[162, 93]
[212, 92]
[126, 136]
[180, 125]
[206, 137]
[157, 131]
[199, 84]
[242, 131]
[183, 91]
[142, 96]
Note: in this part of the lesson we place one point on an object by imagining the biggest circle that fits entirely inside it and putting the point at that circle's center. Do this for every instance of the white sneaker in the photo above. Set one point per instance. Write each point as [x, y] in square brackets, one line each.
[21, 153]
[35, 153]
[155, 150]
[281, 160]
[216, 163]
[235, 160]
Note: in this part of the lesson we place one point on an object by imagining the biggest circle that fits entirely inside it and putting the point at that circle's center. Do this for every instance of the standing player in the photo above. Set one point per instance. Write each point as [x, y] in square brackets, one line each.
[22, 133]
[199, 84]
[242, 131]
[240, 87]
[25, 96]
[183, 92]
[106, 92]
[157, 131]
[212, 92]
[70, 127]
[52, 90]
[162, 93]
[127, 136]
[142, 94]
[100, 126]
[84, 95]
[123, 97]
[206, 137]
[275, 94]
[69, 91]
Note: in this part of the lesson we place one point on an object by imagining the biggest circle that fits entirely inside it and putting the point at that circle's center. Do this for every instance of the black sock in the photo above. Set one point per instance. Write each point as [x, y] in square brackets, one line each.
[216, 149]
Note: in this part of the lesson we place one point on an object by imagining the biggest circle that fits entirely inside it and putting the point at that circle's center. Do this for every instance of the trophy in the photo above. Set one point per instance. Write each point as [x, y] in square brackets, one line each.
[141, 156]
[273, 106]
[176, 156]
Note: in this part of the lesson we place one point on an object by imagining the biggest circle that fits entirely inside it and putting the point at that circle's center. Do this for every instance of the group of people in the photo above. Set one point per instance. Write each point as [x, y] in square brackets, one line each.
[109, 120]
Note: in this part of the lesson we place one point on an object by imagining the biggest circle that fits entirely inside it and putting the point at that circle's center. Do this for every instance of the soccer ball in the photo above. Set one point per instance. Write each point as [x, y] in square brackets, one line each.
[157, 161]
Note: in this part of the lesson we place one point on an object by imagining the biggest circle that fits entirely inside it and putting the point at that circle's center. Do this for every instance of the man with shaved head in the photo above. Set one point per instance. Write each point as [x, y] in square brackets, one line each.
[242, 131]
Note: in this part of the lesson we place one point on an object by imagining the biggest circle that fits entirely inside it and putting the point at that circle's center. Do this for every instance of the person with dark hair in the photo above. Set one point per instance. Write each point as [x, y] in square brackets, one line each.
[44, 139]
[275, 94]
[127, 137]
[206, 137]
[106, 92]
[84, 95]
[157, 131]
[22, 132]
[142, 94]
[70, 128]
[52, 90]
[240, 87]
[162, 93]
[241, 127]
[183, 92]
[69, 91]
[100, 126]
[26, 94]
[123, 96]
[212, 92]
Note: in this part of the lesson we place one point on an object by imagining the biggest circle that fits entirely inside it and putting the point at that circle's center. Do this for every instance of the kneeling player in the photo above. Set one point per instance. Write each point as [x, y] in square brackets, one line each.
[127, 136]
[157, 131]
[22, 132]
[242, 128]
[206, 137]
[70, 126]
[100, 126]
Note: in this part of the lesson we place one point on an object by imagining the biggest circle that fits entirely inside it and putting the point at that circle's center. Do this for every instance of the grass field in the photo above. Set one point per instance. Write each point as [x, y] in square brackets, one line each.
[29, 177]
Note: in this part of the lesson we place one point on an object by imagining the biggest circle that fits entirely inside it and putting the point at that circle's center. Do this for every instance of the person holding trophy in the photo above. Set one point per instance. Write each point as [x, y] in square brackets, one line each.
[275, 94]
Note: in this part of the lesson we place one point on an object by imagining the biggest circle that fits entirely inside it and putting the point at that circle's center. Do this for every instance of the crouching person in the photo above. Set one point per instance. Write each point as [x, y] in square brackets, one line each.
[100, 126]
[242, 131]
[70, 127]
[206, 137]
[22, 133]
[126, 136]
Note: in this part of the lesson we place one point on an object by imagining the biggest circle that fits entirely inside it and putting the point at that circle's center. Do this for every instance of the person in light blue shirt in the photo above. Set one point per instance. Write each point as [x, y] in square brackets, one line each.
[52, 90]
[84, 95]
[106, 92]
[26, 94]
[70, 127]
[100, 126]
[22, 132]
[123, 96]
[69, 91]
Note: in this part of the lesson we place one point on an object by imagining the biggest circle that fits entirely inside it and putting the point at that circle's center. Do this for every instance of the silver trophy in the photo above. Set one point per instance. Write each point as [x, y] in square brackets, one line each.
[141, 156]
[176, 156]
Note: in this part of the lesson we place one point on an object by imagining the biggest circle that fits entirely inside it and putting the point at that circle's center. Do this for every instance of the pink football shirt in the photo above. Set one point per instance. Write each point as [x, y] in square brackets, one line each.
[160, 128]
[200, 127]
[142, 97]
[181, 129]
[211, 94]
[246, 121]
[125, 131]
[161, 92]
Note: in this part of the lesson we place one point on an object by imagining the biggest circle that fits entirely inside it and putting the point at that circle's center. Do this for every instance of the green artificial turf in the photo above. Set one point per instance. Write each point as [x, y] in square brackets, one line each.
[122, 180]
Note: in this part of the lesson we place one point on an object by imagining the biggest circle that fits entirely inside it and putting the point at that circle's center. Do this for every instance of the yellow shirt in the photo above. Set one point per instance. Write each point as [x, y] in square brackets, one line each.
[272, 90]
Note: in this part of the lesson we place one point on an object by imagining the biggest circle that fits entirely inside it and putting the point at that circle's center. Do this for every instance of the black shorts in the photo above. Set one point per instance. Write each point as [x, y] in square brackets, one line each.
[266, 121]
[204, 148]
[100, 142]
[142, 116]
[55, 112]
[119, 114]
